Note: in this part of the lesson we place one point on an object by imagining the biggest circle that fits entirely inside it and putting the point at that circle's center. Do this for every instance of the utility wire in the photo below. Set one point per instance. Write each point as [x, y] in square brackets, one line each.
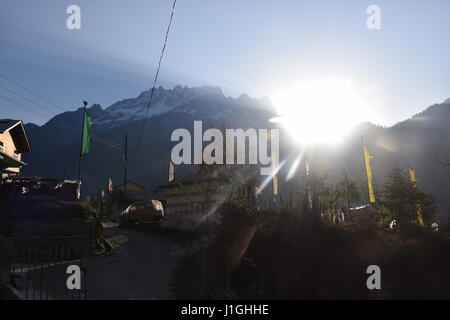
[105, 143]
[25, 107]
[155, 80]
[29, 100]
[32, 92]
[109, 145]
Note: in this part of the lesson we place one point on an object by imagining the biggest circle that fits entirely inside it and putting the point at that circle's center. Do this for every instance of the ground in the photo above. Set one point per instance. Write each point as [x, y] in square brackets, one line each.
[139, 267]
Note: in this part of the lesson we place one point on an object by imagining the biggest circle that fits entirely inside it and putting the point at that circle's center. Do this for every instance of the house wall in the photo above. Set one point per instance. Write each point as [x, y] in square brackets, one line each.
[187, 206]
[9, 148]
[130, 186]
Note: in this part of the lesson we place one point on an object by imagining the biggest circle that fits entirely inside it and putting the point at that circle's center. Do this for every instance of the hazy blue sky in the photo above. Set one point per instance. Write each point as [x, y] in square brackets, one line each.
[250, 46]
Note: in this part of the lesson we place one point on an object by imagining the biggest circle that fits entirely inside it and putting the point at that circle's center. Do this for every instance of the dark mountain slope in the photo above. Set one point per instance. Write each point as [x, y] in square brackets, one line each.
[413, 142]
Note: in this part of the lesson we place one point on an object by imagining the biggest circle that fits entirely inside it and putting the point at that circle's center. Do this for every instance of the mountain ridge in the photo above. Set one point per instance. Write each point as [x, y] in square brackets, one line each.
[412, 142]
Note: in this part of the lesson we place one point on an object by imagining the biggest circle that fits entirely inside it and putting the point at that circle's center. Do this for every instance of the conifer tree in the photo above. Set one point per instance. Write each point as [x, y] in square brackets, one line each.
[405, 200]
[348, 191]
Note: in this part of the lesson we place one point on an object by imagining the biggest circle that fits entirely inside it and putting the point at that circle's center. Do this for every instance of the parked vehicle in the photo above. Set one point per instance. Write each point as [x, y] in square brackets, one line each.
[142, 211]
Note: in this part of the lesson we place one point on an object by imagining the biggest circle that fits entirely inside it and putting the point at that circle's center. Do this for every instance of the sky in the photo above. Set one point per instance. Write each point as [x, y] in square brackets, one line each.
[246, 46]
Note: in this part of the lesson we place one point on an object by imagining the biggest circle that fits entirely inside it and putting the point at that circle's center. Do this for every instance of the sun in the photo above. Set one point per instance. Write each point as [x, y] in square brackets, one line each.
[320, 111]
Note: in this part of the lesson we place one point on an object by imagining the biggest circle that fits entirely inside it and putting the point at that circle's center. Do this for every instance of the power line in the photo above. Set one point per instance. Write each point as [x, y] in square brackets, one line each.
[29, 100]
[32, 92]
[106, 143]
[111, 146]
[25, 107]
[155, 80]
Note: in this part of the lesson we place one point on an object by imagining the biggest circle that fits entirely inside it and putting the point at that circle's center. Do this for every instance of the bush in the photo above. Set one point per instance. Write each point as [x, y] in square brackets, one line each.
[295, 256]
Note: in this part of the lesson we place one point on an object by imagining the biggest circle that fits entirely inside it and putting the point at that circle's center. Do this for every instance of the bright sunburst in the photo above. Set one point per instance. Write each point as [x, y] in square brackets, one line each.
[319, 111]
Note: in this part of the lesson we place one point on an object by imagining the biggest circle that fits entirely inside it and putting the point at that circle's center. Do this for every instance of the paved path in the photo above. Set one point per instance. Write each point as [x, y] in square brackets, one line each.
[140, 266]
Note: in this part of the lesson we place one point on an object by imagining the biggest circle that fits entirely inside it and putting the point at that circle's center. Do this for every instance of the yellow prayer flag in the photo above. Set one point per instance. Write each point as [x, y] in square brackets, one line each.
[412, 177]
[171, 172]
[368, 173]
[275, 185]
[274, 165]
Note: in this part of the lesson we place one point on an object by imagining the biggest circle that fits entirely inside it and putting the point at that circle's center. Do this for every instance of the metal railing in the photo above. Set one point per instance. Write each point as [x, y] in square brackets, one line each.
[36, 268]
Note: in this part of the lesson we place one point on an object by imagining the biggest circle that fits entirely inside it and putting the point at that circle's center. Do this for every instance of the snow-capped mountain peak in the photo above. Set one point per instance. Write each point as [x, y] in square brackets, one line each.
[204, 99]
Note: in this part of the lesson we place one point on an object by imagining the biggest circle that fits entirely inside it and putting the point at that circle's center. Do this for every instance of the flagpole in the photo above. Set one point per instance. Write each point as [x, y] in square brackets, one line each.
[81, 147]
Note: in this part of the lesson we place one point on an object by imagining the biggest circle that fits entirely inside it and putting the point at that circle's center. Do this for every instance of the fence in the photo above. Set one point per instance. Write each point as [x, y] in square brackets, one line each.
[36, 268]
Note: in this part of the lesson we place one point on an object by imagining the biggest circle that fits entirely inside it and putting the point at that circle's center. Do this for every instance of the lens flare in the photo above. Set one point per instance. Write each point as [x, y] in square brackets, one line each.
[320, 111]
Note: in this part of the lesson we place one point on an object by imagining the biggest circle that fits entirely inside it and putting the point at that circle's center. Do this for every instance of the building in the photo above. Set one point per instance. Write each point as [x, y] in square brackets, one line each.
[15, 188]
[137, 192]
[13, 142]
[193, 201]
[131, 185]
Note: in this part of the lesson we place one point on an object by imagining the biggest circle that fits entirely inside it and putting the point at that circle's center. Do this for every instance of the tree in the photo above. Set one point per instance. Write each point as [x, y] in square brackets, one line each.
[405, 200]
[427, 207]
[348, 191]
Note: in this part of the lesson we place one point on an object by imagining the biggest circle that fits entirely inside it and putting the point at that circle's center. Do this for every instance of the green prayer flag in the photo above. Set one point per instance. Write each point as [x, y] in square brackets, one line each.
[87, 123]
